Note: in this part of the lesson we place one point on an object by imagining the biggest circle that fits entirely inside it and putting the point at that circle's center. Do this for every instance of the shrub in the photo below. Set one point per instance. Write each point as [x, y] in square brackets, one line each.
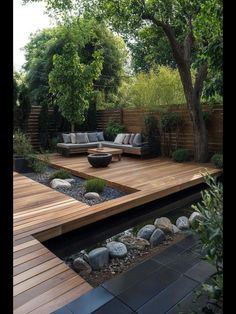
[95, 185]
[21, 144]
[113, 128]
[39, 165]
[210, 230]
[152, 133]
[61, 174]
[217, 160]
[170, 121]
[181, 155]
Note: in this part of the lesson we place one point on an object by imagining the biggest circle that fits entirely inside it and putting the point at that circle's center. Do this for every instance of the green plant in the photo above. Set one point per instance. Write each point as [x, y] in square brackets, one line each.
[113, 128]
[210, 230]
[38, 164]
[61, 174]
[181, 155]
[153, 134]
[217, 160]
[21, 144]
[95, 185]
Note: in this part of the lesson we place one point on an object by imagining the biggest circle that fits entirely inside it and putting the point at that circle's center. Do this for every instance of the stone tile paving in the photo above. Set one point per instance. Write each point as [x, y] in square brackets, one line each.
[166, 283]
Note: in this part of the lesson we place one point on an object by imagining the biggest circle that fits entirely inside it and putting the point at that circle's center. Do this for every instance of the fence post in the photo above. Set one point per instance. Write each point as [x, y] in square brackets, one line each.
[121, 115]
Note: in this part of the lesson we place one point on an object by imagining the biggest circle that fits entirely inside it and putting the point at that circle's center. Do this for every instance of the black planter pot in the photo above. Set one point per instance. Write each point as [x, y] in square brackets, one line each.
[99, 159]
[21, 165]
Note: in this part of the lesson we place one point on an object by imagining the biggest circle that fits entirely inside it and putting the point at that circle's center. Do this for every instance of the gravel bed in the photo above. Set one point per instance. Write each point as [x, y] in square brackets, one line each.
[77, 189]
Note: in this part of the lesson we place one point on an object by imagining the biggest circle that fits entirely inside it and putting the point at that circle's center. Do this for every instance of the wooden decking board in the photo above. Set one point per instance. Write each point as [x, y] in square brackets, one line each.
[42, 282]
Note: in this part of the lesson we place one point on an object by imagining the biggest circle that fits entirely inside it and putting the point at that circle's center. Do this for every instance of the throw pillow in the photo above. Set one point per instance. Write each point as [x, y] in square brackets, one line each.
[100, 136]
[132, 135]
[81, 138]
[119, 138]
[126, 139]
[66, 138]
[137, 140]
[92, 137]
[73, 138]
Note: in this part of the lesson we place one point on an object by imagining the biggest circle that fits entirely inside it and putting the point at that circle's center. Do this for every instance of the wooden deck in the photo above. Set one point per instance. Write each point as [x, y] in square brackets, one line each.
[42, 282]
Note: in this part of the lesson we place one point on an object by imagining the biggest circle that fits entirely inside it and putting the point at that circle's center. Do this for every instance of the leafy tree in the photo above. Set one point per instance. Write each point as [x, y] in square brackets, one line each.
[71, 81]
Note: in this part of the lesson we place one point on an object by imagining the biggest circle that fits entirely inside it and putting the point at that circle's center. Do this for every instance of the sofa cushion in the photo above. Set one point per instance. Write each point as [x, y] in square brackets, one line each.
[100, 136]
[66, 138]
[83, 145]
[119, 138]
[92, 137]
[81, 138]
[137, 140]
[132, 135]
[73, 138]
[126, 139]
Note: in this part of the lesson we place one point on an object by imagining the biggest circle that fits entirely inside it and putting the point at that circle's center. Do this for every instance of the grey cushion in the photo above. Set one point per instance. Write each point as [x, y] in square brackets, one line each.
[81, 138]
[92, 137]
[119, 138]
[137, 140]
[100, 136]
[73, 138]
[70, 145]
[132, 135]
[126, 139]
[66, 138]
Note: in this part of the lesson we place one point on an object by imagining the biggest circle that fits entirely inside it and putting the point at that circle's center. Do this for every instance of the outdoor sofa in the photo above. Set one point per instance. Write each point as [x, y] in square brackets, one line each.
[74, 143]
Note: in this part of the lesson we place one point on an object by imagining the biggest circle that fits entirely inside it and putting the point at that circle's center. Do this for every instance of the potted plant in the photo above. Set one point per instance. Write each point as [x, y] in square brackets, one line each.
[22, 148]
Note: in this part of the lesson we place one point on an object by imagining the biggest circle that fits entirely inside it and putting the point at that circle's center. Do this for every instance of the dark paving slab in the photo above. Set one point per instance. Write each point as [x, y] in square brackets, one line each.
[90, 302]
[167, 256]
[201, 271]
[169, 296]
[63, 310]
[188, 242]
[138, 295]
[185, 260]
[115, 306]
[137, 274]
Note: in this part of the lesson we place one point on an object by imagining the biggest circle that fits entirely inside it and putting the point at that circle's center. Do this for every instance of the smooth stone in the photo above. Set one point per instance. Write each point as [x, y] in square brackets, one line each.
[195, 217]
[98, 258]
[175, 229]
[133, 242]
[182, 223]
[82, 266]
[164, 224]
[70, 180]
[157, 237]
[92, 196]
[146, 232]
[117, 249]
[60, 183]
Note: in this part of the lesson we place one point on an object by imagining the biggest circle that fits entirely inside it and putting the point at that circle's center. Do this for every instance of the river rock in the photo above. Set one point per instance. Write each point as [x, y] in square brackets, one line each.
[70, 180]
[82, 266]
[92, 196]
[195, 217]
[117, 249]
[182, 223]
[98, 258]
[133, 242]
[157, 237]
[175, 229]
[164, 224]
[146, 232]
[60, 183]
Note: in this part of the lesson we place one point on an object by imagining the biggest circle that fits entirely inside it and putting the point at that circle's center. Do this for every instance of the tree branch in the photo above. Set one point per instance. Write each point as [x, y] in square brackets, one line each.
[188, 42]
[200, 78]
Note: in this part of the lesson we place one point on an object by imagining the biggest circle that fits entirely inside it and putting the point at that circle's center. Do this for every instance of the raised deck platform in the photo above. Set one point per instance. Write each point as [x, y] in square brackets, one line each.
[42, 282]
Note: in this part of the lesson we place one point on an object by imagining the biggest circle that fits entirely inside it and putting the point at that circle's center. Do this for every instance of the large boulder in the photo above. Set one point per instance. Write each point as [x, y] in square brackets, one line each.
[182, 223]
[92, 196]
[81, 266]
[133, 242]
[70, 180]
[157, 237]
[164, 224]
[117, 249]
[195, 217]
[146, 232]
[98, 258]
[60, 183]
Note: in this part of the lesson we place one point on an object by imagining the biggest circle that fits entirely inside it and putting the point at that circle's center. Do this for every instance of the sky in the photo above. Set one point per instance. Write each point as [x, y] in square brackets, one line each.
[27, 19]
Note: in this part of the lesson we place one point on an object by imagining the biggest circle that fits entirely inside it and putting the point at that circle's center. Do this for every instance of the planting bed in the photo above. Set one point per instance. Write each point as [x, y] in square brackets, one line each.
[77, 189]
